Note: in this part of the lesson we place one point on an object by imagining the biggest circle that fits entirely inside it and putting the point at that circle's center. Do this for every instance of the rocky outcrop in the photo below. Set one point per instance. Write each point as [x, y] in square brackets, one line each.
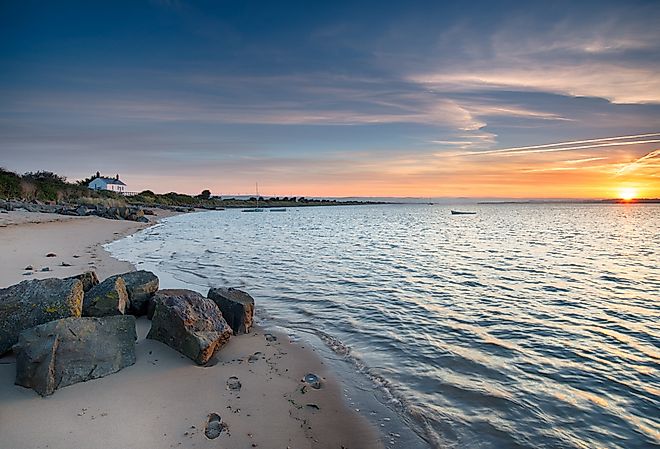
[35, 302]
[107, 298]
[88, 279]
[134, 213]
[72, 350]
[189, 323]
[237, 308]
[141, 286]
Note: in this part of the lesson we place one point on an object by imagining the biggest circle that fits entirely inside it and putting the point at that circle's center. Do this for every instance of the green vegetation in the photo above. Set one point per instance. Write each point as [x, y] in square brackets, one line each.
[49, 187]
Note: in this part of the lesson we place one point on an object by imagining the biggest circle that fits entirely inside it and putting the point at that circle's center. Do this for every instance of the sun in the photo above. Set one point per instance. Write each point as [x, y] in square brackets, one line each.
[627, 193]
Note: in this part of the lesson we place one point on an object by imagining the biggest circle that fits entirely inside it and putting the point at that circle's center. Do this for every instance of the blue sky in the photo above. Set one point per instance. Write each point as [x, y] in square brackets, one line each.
[334, 98]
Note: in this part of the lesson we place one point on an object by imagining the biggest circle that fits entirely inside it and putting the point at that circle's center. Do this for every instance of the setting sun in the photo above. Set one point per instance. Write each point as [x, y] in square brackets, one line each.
[628, 193]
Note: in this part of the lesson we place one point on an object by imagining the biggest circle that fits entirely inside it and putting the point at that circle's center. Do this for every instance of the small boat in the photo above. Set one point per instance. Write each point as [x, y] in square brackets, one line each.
[460, 212]
[257, 208]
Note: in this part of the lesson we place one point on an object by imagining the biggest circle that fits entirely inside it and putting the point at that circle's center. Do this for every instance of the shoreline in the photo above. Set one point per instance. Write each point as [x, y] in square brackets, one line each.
[163, 400]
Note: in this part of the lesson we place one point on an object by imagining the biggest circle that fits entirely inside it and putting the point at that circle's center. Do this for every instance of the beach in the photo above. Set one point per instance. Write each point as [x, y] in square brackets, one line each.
[164, 399]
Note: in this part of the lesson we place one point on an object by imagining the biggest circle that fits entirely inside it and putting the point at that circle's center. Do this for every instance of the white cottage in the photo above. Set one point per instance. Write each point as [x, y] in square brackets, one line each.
[113, 184]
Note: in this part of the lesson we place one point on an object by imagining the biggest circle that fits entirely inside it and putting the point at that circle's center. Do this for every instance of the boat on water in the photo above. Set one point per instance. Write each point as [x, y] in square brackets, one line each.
[461, 212]
[256, 208]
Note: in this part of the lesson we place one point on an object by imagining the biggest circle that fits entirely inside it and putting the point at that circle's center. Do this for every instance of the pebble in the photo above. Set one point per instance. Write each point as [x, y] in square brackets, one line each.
[312, 380]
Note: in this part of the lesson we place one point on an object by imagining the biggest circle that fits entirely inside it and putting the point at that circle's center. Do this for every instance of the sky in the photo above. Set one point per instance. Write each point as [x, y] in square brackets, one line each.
[484, 99]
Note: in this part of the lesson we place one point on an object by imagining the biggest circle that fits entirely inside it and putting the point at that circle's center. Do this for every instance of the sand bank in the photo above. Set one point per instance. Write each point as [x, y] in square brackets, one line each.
[164, 399]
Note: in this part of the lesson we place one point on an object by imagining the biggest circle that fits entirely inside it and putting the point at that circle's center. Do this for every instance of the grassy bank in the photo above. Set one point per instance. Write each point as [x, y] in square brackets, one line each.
[49, 187]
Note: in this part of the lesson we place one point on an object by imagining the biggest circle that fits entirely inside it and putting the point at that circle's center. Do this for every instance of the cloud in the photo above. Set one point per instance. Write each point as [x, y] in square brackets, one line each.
[613, 82]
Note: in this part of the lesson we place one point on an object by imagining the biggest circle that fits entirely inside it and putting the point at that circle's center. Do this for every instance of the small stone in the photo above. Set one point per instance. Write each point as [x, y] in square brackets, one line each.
[45, 269]
[51, 255]
[29, 268]
[312, 380]
[64, 264]
[270, 337]
[254, 357]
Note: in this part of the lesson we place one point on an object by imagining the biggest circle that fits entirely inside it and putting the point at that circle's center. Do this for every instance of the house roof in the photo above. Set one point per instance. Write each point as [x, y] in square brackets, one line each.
[111, 181]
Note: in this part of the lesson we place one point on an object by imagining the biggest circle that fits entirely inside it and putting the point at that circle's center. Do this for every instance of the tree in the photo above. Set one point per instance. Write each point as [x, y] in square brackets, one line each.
[205, 195]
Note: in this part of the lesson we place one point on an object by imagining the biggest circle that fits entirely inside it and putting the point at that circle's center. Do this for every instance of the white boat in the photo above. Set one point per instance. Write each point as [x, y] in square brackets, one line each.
[257, 208]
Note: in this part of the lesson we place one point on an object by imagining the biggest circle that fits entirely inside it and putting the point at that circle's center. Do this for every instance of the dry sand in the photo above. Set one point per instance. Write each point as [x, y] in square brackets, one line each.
[164, 399]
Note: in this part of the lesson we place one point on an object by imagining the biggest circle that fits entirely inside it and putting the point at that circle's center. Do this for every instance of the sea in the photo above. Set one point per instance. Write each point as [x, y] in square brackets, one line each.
[521, 326]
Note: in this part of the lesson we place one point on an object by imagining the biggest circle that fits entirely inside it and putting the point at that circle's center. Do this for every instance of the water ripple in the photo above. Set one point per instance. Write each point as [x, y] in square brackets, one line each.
[522, 326]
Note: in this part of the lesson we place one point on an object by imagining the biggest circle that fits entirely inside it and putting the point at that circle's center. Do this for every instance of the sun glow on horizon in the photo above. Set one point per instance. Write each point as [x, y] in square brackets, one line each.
[627, 193]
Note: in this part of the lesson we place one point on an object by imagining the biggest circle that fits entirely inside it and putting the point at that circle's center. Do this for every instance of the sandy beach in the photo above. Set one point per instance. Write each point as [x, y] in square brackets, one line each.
[164, 399]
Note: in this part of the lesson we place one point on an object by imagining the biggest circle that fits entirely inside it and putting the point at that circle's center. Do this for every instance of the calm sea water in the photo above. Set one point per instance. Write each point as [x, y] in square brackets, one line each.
[524, 326]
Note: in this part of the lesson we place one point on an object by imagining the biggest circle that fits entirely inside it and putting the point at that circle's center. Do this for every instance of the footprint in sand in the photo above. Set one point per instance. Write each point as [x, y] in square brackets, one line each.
[233, 384]
[214, 426]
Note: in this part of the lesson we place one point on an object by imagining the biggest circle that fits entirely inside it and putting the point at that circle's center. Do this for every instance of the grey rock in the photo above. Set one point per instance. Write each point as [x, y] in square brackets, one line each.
[189, 323]
[88, 279]
[107, 298]
[82, 211]
[35, 302]
[237, 308]
[45, 269]
[71, 350]
[141, 285]
[312, 380]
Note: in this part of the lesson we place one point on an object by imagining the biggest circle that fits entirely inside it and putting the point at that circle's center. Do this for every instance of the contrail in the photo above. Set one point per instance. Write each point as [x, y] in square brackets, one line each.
[506, 151]
[549, 147]
[633, 165]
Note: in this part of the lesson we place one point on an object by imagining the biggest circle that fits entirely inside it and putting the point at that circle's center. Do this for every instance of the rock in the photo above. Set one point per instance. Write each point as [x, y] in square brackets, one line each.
[51, 255]
[65, 264]
[88, 279]
[214, 426]
[29, 268]
[142, 219]
[82, 211]
[35, 302]
[71, 350]
[45, 269]
[148, 212]
[141, 285]
[189, 323]
[237, 308]
[312, 380]
[107, 298]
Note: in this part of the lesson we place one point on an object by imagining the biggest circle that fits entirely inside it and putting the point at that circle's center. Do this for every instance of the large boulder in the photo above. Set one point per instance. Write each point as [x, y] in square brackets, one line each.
[35, 302]
[72, 350]
[237, 308]
[88, 279]
[141, 286]
[107, 298]
[189, 323]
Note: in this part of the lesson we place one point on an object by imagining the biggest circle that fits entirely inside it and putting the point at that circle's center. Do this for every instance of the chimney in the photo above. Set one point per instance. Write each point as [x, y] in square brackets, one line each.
[117, 177]
[98, 174]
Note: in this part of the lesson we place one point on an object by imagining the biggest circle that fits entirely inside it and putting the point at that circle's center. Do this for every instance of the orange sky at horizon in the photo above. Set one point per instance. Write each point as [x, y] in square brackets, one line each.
[587, 173]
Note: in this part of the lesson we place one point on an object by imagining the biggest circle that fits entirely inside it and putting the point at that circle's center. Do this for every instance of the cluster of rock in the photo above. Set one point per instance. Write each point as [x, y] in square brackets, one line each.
[65, 331]
[132, 213]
